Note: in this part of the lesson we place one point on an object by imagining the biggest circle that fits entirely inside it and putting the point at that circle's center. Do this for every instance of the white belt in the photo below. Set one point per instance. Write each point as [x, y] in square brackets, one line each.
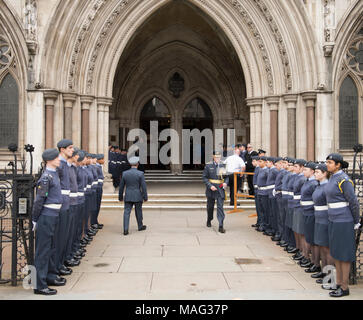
[285, 193]
[321, 208]
[307, 203]
[94, 182]
[338, 205]
[278, 192]
[66, 192]
[270, 187]
[263, 188]
[53, 206]
[80, 194]
[290, 193]
[297, 197]
[88, 186]
[73, 194]
[113, 162]
[100, 180]
[256, 186]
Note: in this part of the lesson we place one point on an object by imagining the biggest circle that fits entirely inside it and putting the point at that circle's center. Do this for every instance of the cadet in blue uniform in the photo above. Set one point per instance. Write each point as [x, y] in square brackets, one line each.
[290, 212]
[307, 205]
[65, 148]
[215, 185]
[89, 200]
[255, 186]
[263, 195]
[344, 218]
[281, 163]
[273, 210]
[99, 163]
[321, 234]
[135, 194]
[45, 218]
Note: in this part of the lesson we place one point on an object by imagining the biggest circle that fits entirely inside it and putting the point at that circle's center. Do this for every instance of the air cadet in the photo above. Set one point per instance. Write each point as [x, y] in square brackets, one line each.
[136, 192]
[273, 211]
[282, 164]
[255, 186]
[307, 205]
[89, 201]
[70, 258]
[93, 208]
[100, 161]
[344, 219]
[263, 196]
[65, 148]
[45, 217]
[215, 185]
[321, 234]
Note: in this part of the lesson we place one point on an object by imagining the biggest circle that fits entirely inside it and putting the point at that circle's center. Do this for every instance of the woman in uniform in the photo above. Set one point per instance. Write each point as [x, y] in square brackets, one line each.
[321, 236]
[343, 214]
[307, 205]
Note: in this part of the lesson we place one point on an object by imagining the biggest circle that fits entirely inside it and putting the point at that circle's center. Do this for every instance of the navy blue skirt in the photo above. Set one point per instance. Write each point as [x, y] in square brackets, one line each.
[321, 235]
[309, 226]
[298, 221]
[342, 241]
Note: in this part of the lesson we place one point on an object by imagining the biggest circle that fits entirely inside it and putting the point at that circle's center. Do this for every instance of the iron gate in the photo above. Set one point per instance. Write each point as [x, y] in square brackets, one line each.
[16, 202]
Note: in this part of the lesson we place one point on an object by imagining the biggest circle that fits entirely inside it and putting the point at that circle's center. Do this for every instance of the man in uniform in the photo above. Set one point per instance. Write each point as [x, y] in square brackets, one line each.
[250, 168]
[135, 194]
[215, 185]
[45, 218]
[100, 161]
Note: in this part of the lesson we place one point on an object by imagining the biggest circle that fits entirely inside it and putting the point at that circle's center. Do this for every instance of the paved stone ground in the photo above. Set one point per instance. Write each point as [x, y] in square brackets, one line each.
[177, 257]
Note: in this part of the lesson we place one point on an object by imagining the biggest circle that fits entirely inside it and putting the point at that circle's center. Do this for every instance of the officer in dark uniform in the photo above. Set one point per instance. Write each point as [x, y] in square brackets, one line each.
[250, 168]
[100, 161]
[215, 183]
[135, 194]
[65, 148]
[45, 218]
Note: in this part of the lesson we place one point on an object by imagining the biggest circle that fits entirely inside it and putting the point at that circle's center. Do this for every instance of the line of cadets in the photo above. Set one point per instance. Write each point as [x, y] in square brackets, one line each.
[311, 210]
[65, 212]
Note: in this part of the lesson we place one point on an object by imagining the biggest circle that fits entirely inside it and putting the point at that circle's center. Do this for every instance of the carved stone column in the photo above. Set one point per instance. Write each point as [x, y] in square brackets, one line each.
[310, 99]
[85, 107]
[101, 124]
[291, 100]
[50, 97]
[273, 103]
[256, 135]
[106, 103]
[68, 99]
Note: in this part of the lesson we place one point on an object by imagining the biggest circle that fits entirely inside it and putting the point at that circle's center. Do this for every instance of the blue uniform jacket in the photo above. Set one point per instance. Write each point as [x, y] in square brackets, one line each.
[320, 204]
[82, 184]
[278, 182]
[273, 172]
[63, 172]
[298, 183]
[135, 184]
[285, 185]
[211, 173]
[307, 191]
[290, 189]
[257, 170]
[48, 193]
[262, 181]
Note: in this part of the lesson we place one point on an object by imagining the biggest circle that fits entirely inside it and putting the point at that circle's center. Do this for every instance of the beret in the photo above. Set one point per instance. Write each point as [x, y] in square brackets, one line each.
[244, 145]
[271, 159]
[75, 151]
[100, 156]
[301, 162]
[263, 158]
[335, 157]
[64, 143]
[292, 161]
[278, 159]
[310, 165]
[255, 158]
[261, 151]
[82, 155]
[322, 167]
[216, 153]
[50, 154]
[134, 160]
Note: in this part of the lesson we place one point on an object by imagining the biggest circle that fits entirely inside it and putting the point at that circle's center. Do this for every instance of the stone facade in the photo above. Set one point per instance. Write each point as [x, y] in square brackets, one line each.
[270, 69]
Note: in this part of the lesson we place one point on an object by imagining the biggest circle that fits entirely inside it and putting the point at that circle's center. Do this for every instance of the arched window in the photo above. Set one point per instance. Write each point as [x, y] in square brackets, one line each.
[9, 111]
[348, 114]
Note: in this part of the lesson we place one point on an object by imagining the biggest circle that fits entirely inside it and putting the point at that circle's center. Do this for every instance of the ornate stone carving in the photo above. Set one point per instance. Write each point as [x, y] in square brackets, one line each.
[280, 42]
[6, 55]
[329, 20]
[80, 37]
[30, 20]
[102, 36]
[176, 85]
[256, 34]
[354, 56]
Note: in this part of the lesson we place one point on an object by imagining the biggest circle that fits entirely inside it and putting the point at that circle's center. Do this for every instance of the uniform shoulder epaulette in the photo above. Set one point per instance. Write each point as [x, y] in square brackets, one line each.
[342, 181]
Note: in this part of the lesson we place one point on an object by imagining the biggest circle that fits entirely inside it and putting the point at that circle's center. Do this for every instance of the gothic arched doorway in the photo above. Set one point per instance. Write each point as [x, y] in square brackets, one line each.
[197, 115]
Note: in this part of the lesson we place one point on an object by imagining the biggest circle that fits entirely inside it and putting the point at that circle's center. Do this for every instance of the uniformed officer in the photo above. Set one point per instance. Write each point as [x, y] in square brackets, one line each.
[136, 192]
[65, 148]
[117, 168]
[45, 217]
[263, 196]
[100, 161]
[255, 186]
[94, 206]
[215, 185]
[270, 186]
[344, 218]
[89, 200]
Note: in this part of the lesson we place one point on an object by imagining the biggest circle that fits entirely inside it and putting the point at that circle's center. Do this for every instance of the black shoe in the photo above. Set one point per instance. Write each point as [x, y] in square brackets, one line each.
[209, 225]
[318, 275]
[57, 283]
[256, 225]
[142, 228]
[319, 281]
[77, 257]
[276, 239]
[284, 244]
[72, 263]
[96, 226]
[46, 291]
[83, 245]
[88, 238]
[221, 230]
[268, 233]
[126, 232]
[260, 229]
[80, 253]
[313, 269]
[91, 233]
[99, 225]
[339, 293]
[297, 256]
[292, 250]
[308, 264]
[95, 230]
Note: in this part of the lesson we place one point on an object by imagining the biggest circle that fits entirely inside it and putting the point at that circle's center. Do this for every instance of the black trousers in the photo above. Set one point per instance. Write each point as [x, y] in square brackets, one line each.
[250, 185]
[231, 187]
[220, 211]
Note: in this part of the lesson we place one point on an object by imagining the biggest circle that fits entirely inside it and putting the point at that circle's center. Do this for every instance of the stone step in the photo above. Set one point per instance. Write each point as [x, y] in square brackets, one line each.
[176, 207]
[176, 201]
